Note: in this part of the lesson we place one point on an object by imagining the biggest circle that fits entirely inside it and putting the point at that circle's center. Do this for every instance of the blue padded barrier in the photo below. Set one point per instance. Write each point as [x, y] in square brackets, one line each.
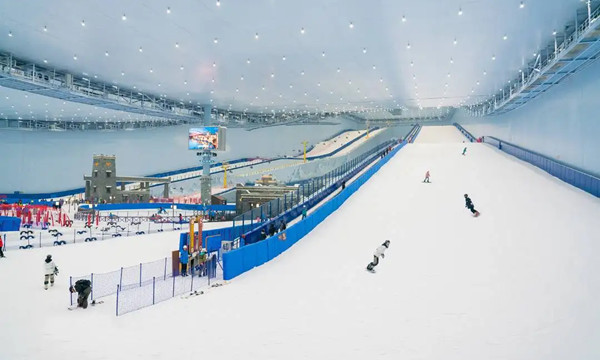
[245, 258]
[166, 206]
[10, 223]
[578, 178]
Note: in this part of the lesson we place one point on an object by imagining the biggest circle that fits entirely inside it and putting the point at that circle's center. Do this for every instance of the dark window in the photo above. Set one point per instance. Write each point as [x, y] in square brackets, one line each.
[108, 173]
[95, 173]
[108, 189]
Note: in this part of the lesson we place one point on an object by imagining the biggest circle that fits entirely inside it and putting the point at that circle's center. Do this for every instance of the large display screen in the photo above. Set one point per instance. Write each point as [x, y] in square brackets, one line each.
[204, 138]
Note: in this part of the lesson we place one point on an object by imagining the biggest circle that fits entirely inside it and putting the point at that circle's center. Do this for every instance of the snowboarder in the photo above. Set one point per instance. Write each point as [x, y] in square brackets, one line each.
[378, 252]
[426, 177]
[304, 212]
[469, 205]
[50, 270]
[1, 246]
[464, 151]
[83, 288]
[184, 257]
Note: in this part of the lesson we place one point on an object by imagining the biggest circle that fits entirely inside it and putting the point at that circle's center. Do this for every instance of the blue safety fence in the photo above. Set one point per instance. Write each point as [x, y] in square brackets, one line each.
[10, 223]
[308, 193]
[466, 133]
[238, 261]
[159, 289]
[578, 178]
[412, 135]
[165, 206]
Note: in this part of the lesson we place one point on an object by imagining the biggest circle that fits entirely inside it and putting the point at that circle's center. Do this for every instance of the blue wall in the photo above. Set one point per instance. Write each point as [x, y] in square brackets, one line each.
[563, 123]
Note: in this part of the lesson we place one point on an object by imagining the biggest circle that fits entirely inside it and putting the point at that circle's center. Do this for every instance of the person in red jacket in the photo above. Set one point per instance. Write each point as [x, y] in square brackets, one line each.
[1, 247]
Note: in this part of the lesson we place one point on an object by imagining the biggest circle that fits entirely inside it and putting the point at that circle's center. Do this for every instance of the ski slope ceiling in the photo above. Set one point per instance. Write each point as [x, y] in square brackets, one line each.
[267, 54]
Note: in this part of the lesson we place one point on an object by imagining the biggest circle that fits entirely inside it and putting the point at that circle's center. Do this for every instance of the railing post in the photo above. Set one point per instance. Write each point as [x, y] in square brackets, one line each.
[174, 277]
[153, 289]
[70, 285]
[121, 277]
[140, 274]
[92, 282]
[118, 291]
[165, 276]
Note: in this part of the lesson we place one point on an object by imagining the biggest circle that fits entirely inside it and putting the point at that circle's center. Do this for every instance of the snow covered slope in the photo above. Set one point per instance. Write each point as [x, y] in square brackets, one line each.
[519, 282]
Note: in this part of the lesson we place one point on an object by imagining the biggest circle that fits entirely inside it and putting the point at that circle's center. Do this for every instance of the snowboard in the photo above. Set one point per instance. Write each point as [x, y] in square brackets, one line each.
[93, 303]
[372, 271]
[476, 214]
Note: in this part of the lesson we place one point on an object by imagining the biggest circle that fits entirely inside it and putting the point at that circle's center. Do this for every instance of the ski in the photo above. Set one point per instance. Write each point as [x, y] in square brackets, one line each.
[195, 293]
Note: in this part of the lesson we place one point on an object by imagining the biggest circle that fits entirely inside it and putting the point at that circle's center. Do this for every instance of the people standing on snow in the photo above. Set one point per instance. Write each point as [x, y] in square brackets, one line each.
[469, 205]
[379, 252]
[50, 270]
[184, 257]
[83, 288]
[426, 177]
[464, 150]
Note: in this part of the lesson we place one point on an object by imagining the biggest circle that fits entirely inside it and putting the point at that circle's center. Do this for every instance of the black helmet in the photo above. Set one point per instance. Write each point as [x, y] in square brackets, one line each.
[48, 256]
[386, 243]
[466, 195]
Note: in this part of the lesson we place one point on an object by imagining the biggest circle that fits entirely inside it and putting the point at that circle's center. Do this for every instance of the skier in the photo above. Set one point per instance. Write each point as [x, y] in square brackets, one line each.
[50, 270]
[304, 212]
[83, 288]
[378, 252]
[464, 151]
[183, 259]
[469, 205]
[426, 177]
[1, 246]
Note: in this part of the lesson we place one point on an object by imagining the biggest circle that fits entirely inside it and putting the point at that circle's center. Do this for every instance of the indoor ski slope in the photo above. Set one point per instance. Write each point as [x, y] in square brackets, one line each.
[522, 281]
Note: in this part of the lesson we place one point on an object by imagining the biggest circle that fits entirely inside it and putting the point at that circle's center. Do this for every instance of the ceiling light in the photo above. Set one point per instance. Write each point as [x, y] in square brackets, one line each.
[122, 73]
[168, 10]
[484, 72]
[455, 41]
[493, 57]
[451, 61]
[302, 31]
[124, 17]
[82, 22]
[338, 70]
[374, 67]
[302, 72]
[216, 40]
[214, 64]
[403, 18]
[10, 33]
[522, 5]
[45, 61]
[283, 58]
[140, 49]
[106, 53]
[364, 50]
[256, 36]
[218, 2]
[412, 63]
[505, 37]
[75, 57]
[460, 12]
[351, 25]
[323, 54]
[242, 78]
[272, 75]
[45, 28]
[408, 46]
[554, 32]
[151, 70]
[181, 67]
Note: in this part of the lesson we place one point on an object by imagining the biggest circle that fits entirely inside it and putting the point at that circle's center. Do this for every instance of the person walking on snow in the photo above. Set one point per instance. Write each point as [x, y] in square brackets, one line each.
[184, 257]
[426, 177]
[379, 252]
[469, 205]
[50, 270]
[83, 288]
[464, 151]
[304, 212]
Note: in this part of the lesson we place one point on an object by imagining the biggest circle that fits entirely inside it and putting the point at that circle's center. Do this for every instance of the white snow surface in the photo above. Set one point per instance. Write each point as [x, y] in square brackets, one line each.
[519, 282]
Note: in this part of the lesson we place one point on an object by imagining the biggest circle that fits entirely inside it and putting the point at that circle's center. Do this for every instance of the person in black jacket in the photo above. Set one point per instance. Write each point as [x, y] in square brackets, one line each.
[263, 234]
[83, 288]
[271, 229]
[469, 205]
[282, 225]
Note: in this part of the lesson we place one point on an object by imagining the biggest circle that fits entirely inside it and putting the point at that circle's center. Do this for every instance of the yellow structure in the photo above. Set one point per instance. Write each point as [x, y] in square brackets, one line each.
[225, 165]
[195, 243]
[305, 142]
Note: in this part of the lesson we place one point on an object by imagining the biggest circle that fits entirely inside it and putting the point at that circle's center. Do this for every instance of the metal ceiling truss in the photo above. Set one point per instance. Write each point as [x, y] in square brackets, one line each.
[37, 79]
[577, 46]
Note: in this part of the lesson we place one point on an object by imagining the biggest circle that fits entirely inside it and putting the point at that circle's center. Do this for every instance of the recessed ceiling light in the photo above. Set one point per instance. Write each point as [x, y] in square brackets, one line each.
[10, 34]
[493, 57]
[460, 12]
[181, 67]
[45, 61]
[364, 50]
[522, 5]
[45, 28]
[302, 31]
[140, 49]
[75, 57]
[374, 67]
[122, 73]
[168, 10]
[323, 53]
[242, 77]
[408, 46]
[151, 70]
[218, 2]
[124, 17]
[302, 72]
[455, 41]
[554, 32]
[412, 63]
[214, 64]
[505, 37]
[283, 58]
[256, 36]
[351, 25]
[403, 18]
[216, 40]
[82, 22]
